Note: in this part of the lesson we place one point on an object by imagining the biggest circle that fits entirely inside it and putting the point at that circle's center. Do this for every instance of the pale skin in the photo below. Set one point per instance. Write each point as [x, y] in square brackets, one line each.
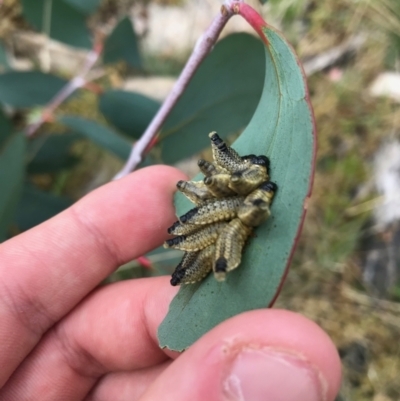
[64, 338]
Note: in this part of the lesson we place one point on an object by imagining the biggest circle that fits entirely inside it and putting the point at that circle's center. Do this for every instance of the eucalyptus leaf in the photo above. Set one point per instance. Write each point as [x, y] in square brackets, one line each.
[87, 7]
[66, 22]
[99, 134]
[4, 65]
[22, 89]
[222, 96]
[36, 206]
[130, 112]
[5, 127]
[51, 153]
[122, 45]
[282, 128]
[12, 154]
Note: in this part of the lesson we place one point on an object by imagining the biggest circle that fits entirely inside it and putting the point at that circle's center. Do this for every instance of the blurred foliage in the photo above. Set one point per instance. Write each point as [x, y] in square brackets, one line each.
[55, 18]
[224, 93]
[28, 88]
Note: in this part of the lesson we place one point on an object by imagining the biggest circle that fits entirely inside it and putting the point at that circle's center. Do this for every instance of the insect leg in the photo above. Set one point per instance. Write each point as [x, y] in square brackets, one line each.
[209, 169]
[228, 248]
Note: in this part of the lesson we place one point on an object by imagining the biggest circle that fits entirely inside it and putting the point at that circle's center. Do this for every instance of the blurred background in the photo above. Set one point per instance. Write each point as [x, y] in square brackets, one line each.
[121, 58]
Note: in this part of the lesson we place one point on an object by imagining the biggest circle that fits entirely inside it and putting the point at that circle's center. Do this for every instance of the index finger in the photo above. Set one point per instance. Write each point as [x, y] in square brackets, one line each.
[46, 271]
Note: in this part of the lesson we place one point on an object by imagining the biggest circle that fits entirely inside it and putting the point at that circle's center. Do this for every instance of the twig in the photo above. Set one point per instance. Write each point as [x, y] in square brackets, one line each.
[145, 262]
[203, 46]
[75, 83]
[370, 302]
[162, 256]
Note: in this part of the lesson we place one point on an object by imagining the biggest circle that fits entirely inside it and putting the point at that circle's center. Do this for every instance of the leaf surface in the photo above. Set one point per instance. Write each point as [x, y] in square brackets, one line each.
[36, 206]
[5, 127]
[130, 112]
[51, 153]
[99, 134]
[4, 65]
[28, 88]
[67, 22]
[87, 7]
[12, 154]
[282, 128]
[122, 45]
[222, 96]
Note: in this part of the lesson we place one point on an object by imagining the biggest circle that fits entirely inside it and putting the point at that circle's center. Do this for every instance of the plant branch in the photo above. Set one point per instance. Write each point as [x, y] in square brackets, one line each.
[75, 83]
[203, 46]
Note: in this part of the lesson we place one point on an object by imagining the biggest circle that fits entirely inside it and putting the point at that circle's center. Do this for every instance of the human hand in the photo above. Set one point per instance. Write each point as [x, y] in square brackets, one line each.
[62, 339]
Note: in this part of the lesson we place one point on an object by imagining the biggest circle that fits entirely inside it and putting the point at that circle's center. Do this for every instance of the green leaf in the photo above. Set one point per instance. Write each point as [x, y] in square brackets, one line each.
[5, 128]
[282, 128]
[130, 112]
[36, 206]
[4, 65]
[28, 89]
[87, 7]
[122, 45]
[12, 153]
[99, 134]
[51, 153]
[221, 97]
[67, 23]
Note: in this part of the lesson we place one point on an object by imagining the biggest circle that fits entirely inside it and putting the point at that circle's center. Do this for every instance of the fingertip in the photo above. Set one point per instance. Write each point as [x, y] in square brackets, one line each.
[283, 332]
[160, 172]
[257, 355]
[160, 179]
[135, 211]
[295, 333]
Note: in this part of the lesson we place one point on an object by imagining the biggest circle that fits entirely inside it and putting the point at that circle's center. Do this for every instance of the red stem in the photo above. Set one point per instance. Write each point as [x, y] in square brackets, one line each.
[252, 17]
[145, 262]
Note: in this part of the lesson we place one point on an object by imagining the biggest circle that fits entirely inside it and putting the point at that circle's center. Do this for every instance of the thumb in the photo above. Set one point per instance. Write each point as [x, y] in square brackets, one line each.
[256, 356]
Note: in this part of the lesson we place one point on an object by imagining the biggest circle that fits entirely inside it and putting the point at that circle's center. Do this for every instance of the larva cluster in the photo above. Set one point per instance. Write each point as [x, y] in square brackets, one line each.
[234, 197]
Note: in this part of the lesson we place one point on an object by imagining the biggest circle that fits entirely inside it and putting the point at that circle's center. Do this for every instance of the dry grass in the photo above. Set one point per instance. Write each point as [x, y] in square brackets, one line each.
[324, 282]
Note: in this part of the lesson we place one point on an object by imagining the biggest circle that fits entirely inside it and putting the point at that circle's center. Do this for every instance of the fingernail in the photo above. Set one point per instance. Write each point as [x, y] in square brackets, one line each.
[267, 374]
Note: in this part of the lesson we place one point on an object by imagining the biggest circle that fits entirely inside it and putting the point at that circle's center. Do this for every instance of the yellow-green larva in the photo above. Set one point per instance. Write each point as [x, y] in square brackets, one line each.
[234, 197]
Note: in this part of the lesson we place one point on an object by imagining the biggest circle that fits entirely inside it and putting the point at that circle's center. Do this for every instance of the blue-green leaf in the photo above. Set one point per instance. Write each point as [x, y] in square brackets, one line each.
[99, 134]
[12, 166]
[130, 112]
[4, 65]
[67, 23]
[222, 96]
[282, 129]
[87, 7]
[28, 88]
[122, 45]
[36, 206]
[51, 153]
[5, 128]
